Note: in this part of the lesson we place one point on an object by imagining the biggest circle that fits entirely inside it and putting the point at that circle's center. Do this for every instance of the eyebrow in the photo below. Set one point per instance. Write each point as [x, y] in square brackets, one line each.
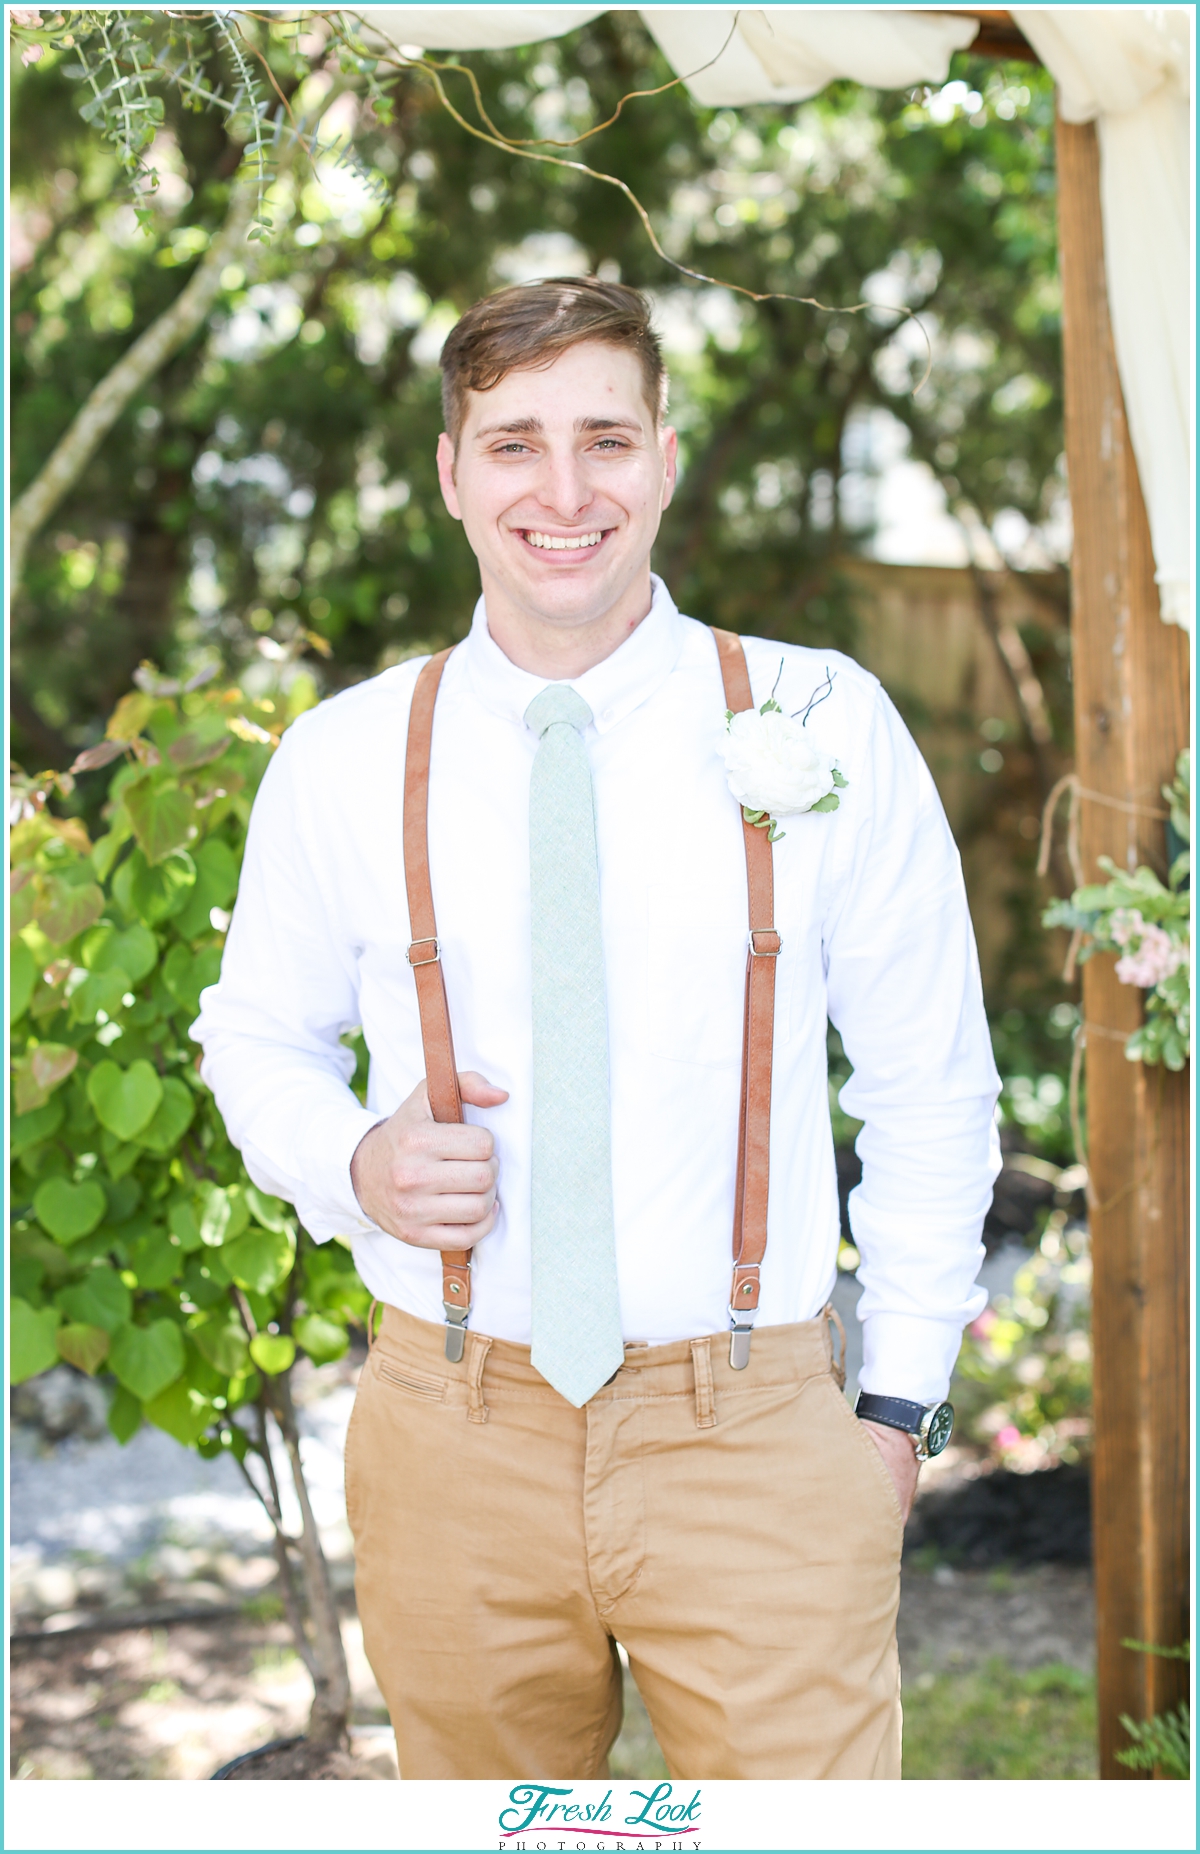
[533, 427]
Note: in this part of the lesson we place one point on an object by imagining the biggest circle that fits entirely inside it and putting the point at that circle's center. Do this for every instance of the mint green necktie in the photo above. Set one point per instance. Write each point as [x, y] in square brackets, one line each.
[577, 1342]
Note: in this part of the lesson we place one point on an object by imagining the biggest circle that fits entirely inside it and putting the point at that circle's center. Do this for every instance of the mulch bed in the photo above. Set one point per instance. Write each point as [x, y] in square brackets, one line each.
[1005, 1518]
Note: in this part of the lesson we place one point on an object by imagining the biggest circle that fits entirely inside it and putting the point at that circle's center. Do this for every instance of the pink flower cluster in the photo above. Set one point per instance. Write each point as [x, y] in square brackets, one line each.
[1155, 956]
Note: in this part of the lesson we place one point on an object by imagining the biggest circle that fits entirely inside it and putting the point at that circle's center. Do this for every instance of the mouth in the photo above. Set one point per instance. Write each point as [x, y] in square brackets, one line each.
[572, 547]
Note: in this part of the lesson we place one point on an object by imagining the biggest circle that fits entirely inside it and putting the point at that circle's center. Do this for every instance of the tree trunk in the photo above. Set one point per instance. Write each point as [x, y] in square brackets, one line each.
[329, 1720]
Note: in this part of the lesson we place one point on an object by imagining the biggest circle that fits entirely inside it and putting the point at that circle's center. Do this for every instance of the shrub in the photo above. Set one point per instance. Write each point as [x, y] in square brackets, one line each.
[140, 1247]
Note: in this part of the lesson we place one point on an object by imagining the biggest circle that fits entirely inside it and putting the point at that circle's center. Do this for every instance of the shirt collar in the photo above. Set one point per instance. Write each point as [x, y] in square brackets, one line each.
[612, 689]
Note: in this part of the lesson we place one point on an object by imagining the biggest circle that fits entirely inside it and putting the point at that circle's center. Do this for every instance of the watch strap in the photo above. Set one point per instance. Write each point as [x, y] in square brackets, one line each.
[893, 1412]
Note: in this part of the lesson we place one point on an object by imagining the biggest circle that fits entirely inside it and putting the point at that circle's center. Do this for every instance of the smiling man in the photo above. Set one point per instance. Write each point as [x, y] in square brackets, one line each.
[574, 1428]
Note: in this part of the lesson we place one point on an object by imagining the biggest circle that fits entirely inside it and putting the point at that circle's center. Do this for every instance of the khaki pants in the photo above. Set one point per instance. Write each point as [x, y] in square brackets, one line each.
[737, 1532]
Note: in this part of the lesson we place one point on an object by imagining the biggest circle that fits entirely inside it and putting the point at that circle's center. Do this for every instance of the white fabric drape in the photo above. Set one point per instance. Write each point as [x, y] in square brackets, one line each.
[1126, 68]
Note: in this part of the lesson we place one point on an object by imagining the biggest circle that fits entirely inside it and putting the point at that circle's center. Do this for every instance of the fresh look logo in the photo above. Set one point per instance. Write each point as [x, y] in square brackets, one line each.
[548, 1816]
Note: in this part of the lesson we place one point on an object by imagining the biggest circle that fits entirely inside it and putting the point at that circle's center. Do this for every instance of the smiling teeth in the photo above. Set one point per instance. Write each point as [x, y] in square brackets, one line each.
[558, 542]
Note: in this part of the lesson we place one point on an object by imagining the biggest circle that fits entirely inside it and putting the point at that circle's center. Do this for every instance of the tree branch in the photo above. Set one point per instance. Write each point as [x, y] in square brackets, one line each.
[106, 402]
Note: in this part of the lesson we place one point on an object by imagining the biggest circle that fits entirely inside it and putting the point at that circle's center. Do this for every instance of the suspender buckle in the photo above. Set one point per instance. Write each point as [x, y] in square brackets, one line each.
[456, 1331]
[432, 958]
[739, 1341]
[771, 946]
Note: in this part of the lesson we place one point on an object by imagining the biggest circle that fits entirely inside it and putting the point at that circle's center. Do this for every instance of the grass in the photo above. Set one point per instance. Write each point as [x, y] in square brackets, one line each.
[995, 1724]
[989, 1724]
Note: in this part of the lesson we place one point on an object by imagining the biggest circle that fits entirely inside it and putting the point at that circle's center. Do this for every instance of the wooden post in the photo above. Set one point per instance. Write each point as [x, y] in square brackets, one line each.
[1131, 719]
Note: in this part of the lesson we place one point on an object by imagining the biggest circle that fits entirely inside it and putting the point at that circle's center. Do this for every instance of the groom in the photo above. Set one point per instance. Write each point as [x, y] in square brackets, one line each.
[573, 1453]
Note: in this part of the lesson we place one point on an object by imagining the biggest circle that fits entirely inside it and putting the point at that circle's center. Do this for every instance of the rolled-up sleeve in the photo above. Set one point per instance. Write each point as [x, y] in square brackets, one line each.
[904, 993]
[271, 1026]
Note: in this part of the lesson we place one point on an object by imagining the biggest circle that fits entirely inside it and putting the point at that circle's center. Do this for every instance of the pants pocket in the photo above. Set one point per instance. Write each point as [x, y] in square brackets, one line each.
[876, 1468]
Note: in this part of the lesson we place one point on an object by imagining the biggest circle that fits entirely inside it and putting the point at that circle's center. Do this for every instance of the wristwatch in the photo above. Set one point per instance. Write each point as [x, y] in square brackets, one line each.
[929, 1425]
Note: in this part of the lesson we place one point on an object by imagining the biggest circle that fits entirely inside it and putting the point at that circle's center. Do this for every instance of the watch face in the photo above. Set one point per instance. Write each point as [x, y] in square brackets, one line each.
[938, 1425]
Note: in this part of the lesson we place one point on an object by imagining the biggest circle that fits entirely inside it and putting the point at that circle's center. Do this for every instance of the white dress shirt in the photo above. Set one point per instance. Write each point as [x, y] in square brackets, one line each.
[870, 904]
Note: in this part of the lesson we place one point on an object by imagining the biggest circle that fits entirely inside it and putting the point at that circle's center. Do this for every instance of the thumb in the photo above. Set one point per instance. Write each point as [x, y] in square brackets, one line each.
[478, 1091]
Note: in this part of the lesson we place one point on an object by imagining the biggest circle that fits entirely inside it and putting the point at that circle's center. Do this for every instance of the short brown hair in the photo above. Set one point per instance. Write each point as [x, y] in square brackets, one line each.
[530, 324]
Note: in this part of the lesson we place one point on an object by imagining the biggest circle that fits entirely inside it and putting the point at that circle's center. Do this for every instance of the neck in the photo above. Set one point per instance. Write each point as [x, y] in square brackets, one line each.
[563, 649]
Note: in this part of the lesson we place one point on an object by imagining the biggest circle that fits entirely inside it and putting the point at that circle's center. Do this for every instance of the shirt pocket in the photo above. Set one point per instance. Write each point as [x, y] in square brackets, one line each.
[696, 975]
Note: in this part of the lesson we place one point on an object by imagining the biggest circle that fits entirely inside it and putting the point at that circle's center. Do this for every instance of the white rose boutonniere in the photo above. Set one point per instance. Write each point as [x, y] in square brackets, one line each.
[773, 768]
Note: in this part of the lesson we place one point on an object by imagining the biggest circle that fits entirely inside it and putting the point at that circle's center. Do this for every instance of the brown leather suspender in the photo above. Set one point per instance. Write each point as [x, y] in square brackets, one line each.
[425, 957]
[754, 1126]
[758, 1035]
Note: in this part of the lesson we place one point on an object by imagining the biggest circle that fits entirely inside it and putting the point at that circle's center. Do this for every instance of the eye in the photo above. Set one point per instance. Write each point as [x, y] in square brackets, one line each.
[513, 446]
[614, 444]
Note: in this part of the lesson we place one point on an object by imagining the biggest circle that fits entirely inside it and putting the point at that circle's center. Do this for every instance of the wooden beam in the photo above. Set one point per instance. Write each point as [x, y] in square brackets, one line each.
[1131, 719]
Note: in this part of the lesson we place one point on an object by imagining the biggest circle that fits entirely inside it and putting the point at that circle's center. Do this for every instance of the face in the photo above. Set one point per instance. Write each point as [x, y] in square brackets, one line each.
[560, 482]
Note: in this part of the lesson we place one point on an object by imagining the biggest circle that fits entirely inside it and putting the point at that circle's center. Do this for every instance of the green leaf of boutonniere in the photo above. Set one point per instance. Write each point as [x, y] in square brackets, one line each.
[770, 707]
[752, 817]
[774, 834]
[838, 780]
[830, 802]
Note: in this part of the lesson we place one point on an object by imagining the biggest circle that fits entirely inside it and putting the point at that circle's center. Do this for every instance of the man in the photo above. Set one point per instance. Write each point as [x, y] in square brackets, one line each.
[588, 1460]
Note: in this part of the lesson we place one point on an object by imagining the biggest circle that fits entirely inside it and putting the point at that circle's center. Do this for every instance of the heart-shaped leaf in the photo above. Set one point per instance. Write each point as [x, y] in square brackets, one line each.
[273, 1352]
[186, 974]
[223, 1215]
[183, 1412]
[216, 884]
[145, 1359]
[134, 951]
[100, 991]
[162, 815]
[124, 1415]
[154, 894]
[31, 1346]
[130, 716]
[125, 1100]
[69, 1211]
[22, 976]
[85, 1347]
[36, 1075]
[181, 1220]
[260, 1259]
[100, 1299]
[223, 1343]
[62, 910]
[155, 1259]
[271, 1212]
[30, 1129]
[172, 1117]
[321, 1339]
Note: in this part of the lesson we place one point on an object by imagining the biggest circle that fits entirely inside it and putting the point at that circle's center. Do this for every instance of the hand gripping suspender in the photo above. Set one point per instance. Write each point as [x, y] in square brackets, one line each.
[754, 1126]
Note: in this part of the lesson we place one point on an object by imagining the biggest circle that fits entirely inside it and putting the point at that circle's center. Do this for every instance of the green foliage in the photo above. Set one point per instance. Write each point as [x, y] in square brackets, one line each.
[997, 1724]
[140, 1247]
[1163, 1743]
[1150, 926]
[277, 478]
[1024, 1375]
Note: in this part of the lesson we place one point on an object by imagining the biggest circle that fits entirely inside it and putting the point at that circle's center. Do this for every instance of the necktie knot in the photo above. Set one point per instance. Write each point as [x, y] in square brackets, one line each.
[557, 702]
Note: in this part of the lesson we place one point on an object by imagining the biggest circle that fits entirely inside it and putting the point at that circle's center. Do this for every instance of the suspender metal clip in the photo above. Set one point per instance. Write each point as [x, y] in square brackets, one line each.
[741, 1319]
[456, 1331]
[771, 945]
[430, 959]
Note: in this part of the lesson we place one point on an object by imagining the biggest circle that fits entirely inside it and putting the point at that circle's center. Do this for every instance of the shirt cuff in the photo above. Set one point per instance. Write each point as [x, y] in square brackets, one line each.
[904, 1356]
[328, 1205]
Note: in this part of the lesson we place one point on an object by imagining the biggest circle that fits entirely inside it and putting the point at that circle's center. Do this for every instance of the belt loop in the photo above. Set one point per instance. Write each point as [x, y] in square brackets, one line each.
[371, 1333]
[836, 1365]
[478, 1347]
[706, 1406]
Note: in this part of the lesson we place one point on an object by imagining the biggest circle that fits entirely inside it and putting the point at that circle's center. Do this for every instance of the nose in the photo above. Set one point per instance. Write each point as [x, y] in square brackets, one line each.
[564, 489]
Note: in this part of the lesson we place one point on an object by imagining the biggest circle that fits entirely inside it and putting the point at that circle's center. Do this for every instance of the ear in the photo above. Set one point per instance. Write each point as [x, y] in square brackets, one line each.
[445, 470]
[669, 440]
